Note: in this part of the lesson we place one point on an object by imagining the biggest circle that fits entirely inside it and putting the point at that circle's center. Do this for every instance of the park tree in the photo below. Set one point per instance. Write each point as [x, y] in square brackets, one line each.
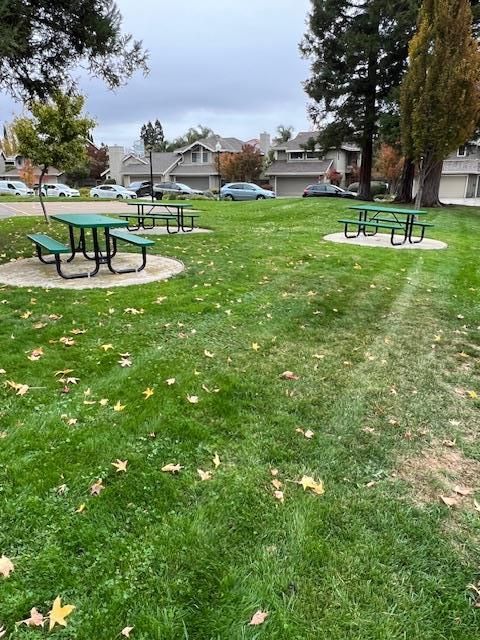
[444, 71]
[41, 40]
[358, 53]
[153, 137]
[54, 136]
[27, 173]
[247, 165]
[388, 164]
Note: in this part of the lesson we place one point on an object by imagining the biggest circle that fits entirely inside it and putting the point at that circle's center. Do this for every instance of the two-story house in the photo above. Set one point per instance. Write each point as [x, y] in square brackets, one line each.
[11, 169]
[461, 173]
[296, 164]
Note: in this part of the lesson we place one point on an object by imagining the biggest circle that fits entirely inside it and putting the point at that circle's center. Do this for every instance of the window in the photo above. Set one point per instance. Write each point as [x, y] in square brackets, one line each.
[200, 156]
[311, 155]
[195, 156]
[462, 151]
[205, 156]
[296, 155]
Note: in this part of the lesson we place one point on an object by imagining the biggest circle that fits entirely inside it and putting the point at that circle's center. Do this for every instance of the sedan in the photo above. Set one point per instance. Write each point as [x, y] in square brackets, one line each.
[59, 190]
[326, 190]
[143, 188]
[177, 188]
[244, 191]
[111, 191]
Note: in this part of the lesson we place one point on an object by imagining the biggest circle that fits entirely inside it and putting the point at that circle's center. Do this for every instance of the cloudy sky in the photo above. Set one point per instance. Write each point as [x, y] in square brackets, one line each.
[233, 66]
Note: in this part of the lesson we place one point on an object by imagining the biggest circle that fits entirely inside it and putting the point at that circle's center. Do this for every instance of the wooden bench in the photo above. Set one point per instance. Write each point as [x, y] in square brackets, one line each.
[129, 238]
[168, 217]
[362, 224]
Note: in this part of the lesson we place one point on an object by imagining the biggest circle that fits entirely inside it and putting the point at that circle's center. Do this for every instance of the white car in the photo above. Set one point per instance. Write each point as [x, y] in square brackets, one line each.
[111, 191]
[14, 188]
[59, 190]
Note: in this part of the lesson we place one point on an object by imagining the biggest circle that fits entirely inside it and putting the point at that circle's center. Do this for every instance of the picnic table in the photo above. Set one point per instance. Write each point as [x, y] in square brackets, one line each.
[174, 212]
[401, 221]
[104, 244]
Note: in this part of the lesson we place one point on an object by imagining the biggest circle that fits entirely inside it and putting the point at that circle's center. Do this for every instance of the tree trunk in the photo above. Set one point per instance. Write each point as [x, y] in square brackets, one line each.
[405, 187]
[431, 186]
[365, 187]
[40, 195]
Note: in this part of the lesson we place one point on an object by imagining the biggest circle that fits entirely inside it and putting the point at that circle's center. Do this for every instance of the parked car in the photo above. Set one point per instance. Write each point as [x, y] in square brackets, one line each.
[326, 190]
[177, 188]
[14, 188]
[59, 190]
[244, 191]
[378, 187]
[112, 191]
[141, 188]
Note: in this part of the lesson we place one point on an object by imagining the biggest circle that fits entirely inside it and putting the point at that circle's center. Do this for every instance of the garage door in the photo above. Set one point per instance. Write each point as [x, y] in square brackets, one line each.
[292, 186]
[196, 182]
[452, 187]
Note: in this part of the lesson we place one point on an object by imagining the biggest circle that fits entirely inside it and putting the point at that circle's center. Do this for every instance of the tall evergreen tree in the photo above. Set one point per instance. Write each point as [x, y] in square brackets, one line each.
[358, 52]
[440, 98]
[153, 137]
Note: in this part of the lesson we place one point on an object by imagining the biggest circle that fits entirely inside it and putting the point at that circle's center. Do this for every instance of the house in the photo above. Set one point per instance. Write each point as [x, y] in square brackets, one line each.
[11, 169]
[296, 164]
[195, 164]
[461, 173]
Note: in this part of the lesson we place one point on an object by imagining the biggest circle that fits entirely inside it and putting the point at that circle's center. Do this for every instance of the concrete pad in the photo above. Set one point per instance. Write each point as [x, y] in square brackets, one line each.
[30, 272]
[383, 240]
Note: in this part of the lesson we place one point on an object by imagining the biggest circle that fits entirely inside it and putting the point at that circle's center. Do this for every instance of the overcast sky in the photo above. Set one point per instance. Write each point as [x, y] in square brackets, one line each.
[233, 66]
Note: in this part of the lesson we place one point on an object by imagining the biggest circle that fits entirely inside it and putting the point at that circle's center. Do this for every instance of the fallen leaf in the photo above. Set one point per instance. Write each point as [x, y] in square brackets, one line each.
[133, 311]
[289, 375]
[277, 484]
[476, 505]
[106, 347]
[21, 389]
[26, 315]
[36, 619]
[279, 495]
[463, 491]
[148, 393]
[126, 631]
[81, 508]
[119, 406]
[472, 394]
[449, 501]
[97, 487]
[6, 566]
[67, 341]
[308, 482]
[170, 381]
[216, 460]
[58, 613]
[204, 475]
[125, 362]
[449, 443]
[103, 402]
[36, 354]
[172, 468]
[208, 354]
[192, 399]
[120, 465]
[3, 631]
[258, 617]
[255, 346]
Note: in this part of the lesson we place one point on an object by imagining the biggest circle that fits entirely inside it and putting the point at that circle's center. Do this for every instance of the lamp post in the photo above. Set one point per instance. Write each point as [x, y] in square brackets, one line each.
[218, 148]
[151, 174]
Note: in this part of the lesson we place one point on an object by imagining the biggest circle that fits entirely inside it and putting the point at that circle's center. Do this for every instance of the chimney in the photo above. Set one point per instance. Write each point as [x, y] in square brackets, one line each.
[265, 143]
[115, 157]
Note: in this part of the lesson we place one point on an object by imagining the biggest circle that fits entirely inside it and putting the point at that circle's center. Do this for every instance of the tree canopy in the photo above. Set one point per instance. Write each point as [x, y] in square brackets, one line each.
[55, 135]
[246, 165]
[440, 97]
[41, 40]
[153, 137]
[191, 135]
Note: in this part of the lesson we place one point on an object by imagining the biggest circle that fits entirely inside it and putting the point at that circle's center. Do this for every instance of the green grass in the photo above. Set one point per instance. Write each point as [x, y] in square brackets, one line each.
[178, 558]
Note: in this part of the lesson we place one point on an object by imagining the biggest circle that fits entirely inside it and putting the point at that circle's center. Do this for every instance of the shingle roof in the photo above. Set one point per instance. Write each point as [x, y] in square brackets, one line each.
[194, 170]
[15, 172]
[160, 163]
[307, 168]
[302, 138]
[228, 144]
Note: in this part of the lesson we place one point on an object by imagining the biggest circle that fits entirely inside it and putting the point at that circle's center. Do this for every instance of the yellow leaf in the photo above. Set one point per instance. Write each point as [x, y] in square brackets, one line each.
[255, 346]
[170, 381]
[274, 472]
[208, 354]
[192, 399]
[58, 613]
[258, 617]
[26, 315]
[106, 347]
[103, 402]
[472, 394]
[172, 468]
[148, 393]
[126, 631]
[81, 508]
[216, 460]
[308, 482]
[204, 475]
[309, 434]
[119, 406]
[6, 566]
[120, 465]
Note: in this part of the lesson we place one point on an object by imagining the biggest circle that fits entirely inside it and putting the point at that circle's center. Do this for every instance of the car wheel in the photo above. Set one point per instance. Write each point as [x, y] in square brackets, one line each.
[228, 197]
[61, 195]
[260, 197]
[95, 195]
[119, 197]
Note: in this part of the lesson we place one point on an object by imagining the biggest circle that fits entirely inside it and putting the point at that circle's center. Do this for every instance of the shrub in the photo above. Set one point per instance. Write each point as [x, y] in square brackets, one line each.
[376, 186]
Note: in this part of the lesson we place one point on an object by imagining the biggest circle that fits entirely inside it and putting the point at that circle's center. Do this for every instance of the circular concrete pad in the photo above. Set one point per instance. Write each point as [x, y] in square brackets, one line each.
[383, 240]
[30, 272]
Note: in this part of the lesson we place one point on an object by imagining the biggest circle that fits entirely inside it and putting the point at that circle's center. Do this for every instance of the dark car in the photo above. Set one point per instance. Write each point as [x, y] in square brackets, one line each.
[326, 190]
[141, 188]
[177, 188]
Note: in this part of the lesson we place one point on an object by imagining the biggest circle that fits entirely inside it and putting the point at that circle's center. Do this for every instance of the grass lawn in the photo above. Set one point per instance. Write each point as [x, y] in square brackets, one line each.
[386, 347]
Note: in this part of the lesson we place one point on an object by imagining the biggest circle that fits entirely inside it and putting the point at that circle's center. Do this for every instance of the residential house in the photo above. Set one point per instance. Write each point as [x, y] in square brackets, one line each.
[296, 164]
[195, 164]
[11, 169]
[461, 173]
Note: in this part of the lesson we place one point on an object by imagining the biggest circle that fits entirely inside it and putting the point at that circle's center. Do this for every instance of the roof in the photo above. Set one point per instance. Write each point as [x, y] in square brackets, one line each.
[161, 161]
[195, 170]
[227, 144]
[307, 168]
[301, 140]
[15, 172]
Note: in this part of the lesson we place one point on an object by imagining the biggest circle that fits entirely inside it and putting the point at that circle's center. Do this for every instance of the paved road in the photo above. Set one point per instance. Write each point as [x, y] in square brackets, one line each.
[9, 209]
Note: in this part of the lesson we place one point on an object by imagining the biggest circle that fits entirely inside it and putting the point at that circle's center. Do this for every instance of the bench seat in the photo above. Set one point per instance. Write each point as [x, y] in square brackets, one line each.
[374, 223]
[49, 244]
[168, 217]
[137, 241]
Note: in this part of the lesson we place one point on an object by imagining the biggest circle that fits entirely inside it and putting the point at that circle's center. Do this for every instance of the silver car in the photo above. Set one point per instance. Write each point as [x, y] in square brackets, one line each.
[244, 191]
[112, 191]
[14, 188]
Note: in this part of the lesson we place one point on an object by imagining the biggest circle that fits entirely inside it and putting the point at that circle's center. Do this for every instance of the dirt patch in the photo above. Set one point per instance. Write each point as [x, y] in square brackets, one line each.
[439, 471]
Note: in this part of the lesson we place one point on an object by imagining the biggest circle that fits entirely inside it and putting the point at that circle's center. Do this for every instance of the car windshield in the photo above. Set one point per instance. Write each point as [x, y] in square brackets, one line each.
[20, 185]
[134, 185]
[61, 186]
[183, 186]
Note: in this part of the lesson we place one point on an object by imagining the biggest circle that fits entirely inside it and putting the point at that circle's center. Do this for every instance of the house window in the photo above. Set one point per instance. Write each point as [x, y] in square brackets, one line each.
[205, 156]
[196, 156]
[311, 155]
[200, 156]
[462, 151]
[296, 155]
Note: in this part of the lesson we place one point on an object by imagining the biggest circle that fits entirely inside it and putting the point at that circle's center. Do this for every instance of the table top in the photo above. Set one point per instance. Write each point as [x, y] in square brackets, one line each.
[373, 207]
[85, 221]
[160, 204]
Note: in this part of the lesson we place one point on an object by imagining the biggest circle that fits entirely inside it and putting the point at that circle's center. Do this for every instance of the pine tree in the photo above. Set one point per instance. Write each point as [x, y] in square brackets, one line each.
[440, 97]
[358, 51]
[153, 137]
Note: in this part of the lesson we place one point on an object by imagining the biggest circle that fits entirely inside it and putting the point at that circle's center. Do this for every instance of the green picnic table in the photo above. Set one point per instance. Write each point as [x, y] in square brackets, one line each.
[174, 211]
[403, 221]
